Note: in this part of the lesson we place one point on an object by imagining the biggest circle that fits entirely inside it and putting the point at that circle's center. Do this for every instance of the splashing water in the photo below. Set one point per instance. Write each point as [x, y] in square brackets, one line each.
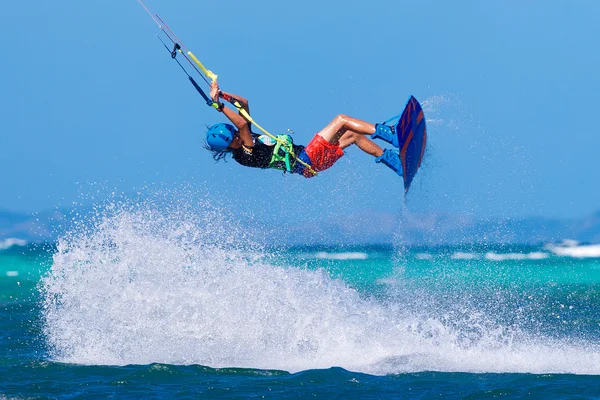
[137, 285]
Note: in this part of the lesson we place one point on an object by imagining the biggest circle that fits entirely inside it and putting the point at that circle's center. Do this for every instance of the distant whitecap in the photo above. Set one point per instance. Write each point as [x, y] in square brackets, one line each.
[536, 255]
[10, 242]
[423, 256]
[575, 251]
[322, 255]
[464, 256]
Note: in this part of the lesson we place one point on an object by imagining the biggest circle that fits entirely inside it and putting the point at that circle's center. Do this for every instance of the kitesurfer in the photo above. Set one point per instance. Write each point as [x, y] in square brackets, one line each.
[261, 151]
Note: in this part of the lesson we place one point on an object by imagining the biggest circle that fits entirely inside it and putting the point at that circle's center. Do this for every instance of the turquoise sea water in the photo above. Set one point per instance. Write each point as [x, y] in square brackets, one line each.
[138, 306]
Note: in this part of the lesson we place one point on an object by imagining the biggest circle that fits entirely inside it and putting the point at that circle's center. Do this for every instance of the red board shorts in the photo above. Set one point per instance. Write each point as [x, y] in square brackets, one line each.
[319, 154]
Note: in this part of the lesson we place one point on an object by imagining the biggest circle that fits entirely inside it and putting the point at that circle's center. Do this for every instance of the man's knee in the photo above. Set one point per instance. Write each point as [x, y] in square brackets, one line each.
[341, 119]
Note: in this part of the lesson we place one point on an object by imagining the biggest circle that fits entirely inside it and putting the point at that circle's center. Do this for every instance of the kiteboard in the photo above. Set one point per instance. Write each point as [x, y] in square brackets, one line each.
[411, 133]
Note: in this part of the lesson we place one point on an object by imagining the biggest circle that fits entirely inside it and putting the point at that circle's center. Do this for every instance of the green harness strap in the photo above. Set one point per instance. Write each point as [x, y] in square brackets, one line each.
[283, 147]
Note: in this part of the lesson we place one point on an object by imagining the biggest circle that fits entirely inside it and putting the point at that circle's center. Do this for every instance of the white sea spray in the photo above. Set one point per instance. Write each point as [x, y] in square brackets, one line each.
[142, 284]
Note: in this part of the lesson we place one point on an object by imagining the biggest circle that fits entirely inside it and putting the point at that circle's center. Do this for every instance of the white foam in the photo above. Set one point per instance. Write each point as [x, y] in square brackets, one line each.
[142, 287]
[423, 256]
[341, 256]
[569, 243]
[12, 273]
[536, 255]
[575, 251]
[10, 242]
[464, 256]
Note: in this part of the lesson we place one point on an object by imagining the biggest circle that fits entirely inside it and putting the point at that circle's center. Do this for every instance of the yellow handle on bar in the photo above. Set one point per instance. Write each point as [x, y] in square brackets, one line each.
[207, 72]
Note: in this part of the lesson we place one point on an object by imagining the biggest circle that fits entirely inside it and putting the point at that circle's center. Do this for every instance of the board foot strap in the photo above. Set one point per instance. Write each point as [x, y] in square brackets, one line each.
[391, 159]
[385, 133]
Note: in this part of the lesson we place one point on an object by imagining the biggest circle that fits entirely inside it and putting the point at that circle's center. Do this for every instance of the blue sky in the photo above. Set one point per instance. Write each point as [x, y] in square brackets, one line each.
[91, 99]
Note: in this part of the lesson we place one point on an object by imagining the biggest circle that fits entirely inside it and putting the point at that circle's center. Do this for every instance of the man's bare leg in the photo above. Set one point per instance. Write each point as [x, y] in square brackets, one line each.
[346, 131]
[342, 124]
[362, 142]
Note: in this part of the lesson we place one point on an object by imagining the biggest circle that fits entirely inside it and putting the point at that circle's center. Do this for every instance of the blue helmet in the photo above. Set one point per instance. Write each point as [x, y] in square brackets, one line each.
[219, 136]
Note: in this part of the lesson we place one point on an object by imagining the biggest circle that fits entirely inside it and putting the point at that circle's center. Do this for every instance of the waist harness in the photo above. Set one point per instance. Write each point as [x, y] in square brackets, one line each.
[282, 152]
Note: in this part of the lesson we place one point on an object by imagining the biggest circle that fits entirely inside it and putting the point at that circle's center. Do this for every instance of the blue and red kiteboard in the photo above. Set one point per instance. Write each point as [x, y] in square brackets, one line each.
[412, 139]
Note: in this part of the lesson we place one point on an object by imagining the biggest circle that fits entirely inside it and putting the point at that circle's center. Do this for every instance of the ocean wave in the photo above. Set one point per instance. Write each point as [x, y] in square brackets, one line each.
[10, 242]
[536, 255]
[424, 256]
[141, 286]
[464, 256]
[576, 251]
[322, 255]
